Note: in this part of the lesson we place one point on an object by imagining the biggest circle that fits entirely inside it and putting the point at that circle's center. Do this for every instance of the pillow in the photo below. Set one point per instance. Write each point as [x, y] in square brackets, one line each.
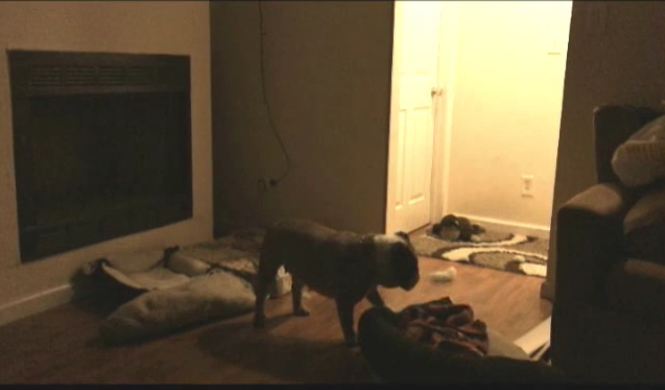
[187, 265]
[211, 296]
[641, 159]
[154, 279]
[140, 260]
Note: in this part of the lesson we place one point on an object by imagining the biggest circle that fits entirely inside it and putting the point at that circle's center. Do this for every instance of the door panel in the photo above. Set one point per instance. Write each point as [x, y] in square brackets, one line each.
[414, 76]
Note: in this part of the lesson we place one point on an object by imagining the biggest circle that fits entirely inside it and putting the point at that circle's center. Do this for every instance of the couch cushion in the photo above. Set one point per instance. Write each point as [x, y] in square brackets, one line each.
[638, 287]
[644, 227]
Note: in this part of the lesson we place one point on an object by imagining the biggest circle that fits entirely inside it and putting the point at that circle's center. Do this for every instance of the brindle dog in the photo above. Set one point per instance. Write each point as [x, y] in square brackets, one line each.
[341, 265]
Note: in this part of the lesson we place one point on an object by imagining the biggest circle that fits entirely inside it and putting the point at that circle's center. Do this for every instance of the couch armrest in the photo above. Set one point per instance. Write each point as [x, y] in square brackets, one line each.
[589, 242]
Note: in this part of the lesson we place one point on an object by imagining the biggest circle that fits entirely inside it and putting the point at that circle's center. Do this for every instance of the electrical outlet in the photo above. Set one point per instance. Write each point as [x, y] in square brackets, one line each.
[266, 183]
[262, 185]
[527, 186]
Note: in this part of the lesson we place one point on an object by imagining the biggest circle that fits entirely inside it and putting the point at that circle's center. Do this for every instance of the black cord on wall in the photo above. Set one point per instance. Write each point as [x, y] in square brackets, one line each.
[273, 182]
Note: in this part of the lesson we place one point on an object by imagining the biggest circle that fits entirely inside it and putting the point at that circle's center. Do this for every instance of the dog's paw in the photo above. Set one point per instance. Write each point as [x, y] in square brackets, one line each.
[259, 321]
[301, 312]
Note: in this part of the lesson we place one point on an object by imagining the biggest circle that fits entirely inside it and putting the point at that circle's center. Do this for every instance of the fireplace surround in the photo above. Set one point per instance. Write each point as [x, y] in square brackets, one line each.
[102, 146]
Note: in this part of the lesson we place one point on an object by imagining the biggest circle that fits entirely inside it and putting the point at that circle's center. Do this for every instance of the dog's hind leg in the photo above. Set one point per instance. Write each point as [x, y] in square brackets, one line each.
[296, 295]
[265, 277]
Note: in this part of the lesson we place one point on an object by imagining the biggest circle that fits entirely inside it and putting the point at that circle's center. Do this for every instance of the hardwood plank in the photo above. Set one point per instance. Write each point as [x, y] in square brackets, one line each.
[62, 345]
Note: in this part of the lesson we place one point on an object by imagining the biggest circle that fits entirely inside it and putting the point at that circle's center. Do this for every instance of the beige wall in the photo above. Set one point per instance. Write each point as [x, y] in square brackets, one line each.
[133, 27]
[328, 80]
[615, 56]
[506, 91]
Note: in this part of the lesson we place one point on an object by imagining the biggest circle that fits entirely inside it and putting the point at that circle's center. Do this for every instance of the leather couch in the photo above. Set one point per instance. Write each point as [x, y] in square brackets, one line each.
[608, 322]
[395, 358]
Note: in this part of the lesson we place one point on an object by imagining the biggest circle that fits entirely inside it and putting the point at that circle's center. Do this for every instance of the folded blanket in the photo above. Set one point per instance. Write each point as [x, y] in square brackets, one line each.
[161, 268]
[445, 326]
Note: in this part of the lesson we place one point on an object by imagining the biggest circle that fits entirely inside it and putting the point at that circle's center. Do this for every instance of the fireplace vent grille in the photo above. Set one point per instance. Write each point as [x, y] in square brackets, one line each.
[52, 73]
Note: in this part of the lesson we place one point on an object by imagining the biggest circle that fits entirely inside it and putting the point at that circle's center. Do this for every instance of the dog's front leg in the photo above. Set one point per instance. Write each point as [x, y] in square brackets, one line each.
[375, 298]
[345, 313]
[296, 294]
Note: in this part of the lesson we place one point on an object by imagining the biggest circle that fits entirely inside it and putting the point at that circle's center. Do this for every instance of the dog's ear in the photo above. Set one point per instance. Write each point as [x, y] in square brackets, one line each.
[405, 236]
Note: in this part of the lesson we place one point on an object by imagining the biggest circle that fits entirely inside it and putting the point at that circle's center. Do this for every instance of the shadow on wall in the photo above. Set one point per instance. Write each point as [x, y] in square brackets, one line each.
[327, 68]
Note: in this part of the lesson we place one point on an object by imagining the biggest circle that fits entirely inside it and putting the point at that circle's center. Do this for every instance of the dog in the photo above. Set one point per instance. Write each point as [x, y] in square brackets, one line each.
[341, 265]
[453, 228]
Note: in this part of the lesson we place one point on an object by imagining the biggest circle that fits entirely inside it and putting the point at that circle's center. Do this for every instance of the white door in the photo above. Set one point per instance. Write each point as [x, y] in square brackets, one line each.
[415, 53]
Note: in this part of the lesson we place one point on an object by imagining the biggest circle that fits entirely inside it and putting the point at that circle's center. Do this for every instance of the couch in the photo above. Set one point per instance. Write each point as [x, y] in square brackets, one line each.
[395, 358]
[608, 321]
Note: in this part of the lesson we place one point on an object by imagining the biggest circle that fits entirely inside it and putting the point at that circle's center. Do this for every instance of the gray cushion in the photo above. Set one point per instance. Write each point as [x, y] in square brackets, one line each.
[644, 228]
[212, 296]
[139, 260]
[153, 279]
[637, 286]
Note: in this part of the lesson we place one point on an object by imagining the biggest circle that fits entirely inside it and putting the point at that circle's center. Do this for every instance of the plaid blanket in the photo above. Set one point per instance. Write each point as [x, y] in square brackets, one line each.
[446, 326]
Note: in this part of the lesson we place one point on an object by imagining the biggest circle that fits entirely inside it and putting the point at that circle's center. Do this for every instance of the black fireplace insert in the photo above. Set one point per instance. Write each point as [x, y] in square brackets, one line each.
[102, 146]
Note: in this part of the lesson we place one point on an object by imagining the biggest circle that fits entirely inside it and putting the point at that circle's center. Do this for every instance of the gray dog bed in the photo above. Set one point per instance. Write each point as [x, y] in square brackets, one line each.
[179, 287]
[203, 298]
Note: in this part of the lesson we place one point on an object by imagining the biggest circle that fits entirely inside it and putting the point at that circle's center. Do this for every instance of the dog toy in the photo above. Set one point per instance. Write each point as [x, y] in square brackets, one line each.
[444, 276]
[453, 228]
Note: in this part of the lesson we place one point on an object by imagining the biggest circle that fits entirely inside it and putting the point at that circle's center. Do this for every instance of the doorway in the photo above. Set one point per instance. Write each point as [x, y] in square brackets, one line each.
[477, 90]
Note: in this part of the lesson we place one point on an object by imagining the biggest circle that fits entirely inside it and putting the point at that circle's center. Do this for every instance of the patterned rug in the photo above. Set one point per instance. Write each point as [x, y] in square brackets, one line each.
[516, 253]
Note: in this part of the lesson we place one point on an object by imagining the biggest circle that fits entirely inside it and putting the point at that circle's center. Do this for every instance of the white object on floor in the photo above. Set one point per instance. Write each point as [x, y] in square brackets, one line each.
[536, 338]
[534, 269]
[445, 275]
[283, 283]
[519, 258]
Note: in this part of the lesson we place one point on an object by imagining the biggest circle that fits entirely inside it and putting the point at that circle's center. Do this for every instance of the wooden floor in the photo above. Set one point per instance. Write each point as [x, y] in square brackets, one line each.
[61, 345]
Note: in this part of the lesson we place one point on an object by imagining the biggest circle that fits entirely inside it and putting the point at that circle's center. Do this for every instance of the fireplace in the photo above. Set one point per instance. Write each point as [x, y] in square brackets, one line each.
[102, 146]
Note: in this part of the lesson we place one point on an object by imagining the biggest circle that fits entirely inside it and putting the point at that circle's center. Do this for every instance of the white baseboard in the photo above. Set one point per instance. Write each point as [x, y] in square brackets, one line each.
[34, 304]
[501, 225]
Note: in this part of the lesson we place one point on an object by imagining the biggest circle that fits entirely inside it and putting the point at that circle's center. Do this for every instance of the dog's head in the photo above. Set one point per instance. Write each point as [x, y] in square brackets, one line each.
[396, 261]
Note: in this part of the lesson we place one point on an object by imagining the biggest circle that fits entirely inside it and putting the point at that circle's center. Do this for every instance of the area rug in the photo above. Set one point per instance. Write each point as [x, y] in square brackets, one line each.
[509, 252]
